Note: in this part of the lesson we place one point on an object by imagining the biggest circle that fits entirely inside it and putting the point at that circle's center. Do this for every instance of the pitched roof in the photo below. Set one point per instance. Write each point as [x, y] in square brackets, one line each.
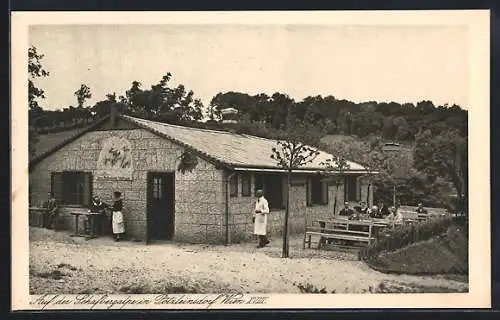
[237, 151]
[50, 142]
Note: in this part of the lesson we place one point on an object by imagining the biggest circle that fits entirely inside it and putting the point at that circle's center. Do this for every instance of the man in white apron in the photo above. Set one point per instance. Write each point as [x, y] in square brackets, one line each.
[260, 218]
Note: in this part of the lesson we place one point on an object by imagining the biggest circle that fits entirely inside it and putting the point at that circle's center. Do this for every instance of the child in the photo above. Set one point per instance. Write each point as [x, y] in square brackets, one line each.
[117, 220]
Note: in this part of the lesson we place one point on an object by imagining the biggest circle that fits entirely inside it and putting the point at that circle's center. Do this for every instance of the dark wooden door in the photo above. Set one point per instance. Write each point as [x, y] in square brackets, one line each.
[160, 209]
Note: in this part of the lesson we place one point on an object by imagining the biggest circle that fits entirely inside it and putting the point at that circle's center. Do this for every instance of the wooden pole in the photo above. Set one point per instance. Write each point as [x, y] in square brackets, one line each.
[394, 195]
[287, 211]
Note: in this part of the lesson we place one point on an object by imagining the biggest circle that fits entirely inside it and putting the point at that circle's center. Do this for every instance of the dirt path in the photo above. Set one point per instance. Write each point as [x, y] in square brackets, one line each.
[62, 264]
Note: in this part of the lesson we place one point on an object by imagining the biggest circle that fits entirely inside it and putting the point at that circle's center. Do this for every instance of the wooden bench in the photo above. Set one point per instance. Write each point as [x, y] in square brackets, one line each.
[340, 231]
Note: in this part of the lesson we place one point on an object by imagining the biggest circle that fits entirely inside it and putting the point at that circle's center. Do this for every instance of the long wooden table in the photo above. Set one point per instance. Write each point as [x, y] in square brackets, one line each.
[91, 216]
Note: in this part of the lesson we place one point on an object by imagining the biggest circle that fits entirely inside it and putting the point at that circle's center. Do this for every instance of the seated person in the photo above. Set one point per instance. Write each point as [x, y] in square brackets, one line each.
[384, 210]
[364, 210]
[395, 215]
[375, 213]
[346, 210]
[358, 207]
[98, 207]
[355, 216]
[421, 209]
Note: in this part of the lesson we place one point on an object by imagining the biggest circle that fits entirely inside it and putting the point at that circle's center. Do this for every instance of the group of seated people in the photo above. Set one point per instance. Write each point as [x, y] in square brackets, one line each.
[51, 213]
[382, 211]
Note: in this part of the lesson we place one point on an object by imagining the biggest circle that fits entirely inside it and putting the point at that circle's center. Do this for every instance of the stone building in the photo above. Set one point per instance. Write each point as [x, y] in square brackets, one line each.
[211, 203]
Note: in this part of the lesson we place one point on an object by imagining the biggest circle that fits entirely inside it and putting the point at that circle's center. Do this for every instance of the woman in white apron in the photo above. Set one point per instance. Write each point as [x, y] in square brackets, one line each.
[117, 218]
[260, 218]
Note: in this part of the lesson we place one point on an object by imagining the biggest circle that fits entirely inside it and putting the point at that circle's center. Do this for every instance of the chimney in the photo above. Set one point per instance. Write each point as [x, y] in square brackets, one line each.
[113, 115]
[229, 115]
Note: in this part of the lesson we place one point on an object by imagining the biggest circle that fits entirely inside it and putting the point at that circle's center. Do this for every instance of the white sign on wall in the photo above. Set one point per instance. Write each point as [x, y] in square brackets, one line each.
[115, 159]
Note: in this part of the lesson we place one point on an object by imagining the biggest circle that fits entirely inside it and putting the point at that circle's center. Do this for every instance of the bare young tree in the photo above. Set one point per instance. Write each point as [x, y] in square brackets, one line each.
[291, 153]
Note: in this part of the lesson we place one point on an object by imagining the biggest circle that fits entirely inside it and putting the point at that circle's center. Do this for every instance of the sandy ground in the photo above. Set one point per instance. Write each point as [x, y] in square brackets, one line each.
[61, 264]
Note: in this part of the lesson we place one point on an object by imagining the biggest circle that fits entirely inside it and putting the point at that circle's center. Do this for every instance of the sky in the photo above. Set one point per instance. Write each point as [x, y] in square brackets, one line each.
[357, 63]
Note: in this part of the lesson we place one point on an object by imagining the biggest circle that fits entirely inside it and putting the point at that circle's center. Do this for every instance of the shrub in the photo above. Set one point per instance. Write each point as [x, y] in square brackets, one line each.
[448, 244]
[53, 274]
[310, 288]
[403, 236]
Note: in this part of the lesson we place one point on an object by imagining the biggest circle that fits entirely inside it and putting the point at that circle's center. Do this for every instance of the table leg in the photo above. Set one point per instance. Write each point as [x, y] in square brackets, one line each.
[77, 234]
[322, 240]
[91, 225]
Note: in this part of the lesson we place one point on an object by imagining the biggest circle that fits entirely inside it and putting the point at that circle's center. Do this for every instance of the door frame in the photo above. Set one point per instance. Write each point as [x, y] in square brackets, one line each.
[149, 174]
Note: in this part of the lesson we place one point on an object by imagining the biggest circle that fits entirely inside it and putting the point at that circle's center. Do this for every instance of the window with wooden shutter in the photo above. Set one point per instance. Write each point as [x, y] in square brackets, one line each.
[318, 191]
[259, 183]
[233, 186]
[358, 184]
[246, 185]
[87, 188]
[72, 187]
[57, 187]
[351, 190]
[308, 192]
[273, 186]
[324, 191]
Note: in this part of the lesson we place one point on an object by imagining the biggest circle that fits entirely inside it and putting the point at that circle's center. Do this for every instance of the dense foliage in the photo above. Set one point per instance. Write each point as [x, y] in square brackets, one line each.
[430, 165]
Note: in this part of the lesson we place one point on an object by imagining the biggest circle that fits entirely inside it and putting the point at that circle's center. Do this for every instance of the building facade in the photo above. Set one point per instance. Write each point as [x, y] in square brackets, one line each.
[209, 199]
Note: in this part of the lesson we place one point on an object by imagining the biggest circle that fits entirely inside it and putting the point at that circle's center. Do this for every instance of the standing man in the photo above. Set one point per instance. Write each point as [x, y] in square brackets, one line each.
[260, 217]
[52, 211]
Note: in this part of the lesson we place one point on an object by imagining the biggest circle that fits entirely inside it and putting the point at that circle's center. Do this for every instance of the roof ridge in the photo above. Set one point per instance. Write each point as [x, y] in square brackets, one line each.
[69, 139]
[184, 127]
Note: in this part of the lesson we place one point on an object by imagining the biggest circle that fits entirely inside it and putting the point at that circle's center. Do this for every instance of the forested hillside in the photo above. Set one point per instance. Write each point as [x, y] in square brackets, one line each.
[429, 166]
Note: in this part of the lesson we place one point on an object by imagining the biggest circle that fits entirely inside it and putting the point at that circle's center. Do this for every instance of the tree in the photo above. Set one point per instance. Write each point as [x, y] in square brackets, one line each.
[335, 167]
[214, 114]
[162, 103]
[35, 70]
[291, 153]
[445, 155]
[82, 95]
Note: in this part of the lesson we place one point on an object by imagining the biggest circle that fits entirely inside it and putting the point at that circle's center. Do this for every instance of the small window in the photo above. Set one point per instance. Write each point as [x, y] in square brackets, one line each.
[317, 191]
[233, 186]
[273, 187]
[246, 185]
[72, 187]
[157, 188]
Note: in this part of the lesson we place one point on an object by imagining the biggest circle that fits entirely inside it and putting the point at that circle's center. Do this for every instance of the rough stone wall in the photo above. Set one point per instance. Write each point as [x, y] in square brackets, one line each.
[241, 210]
[199, 200]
